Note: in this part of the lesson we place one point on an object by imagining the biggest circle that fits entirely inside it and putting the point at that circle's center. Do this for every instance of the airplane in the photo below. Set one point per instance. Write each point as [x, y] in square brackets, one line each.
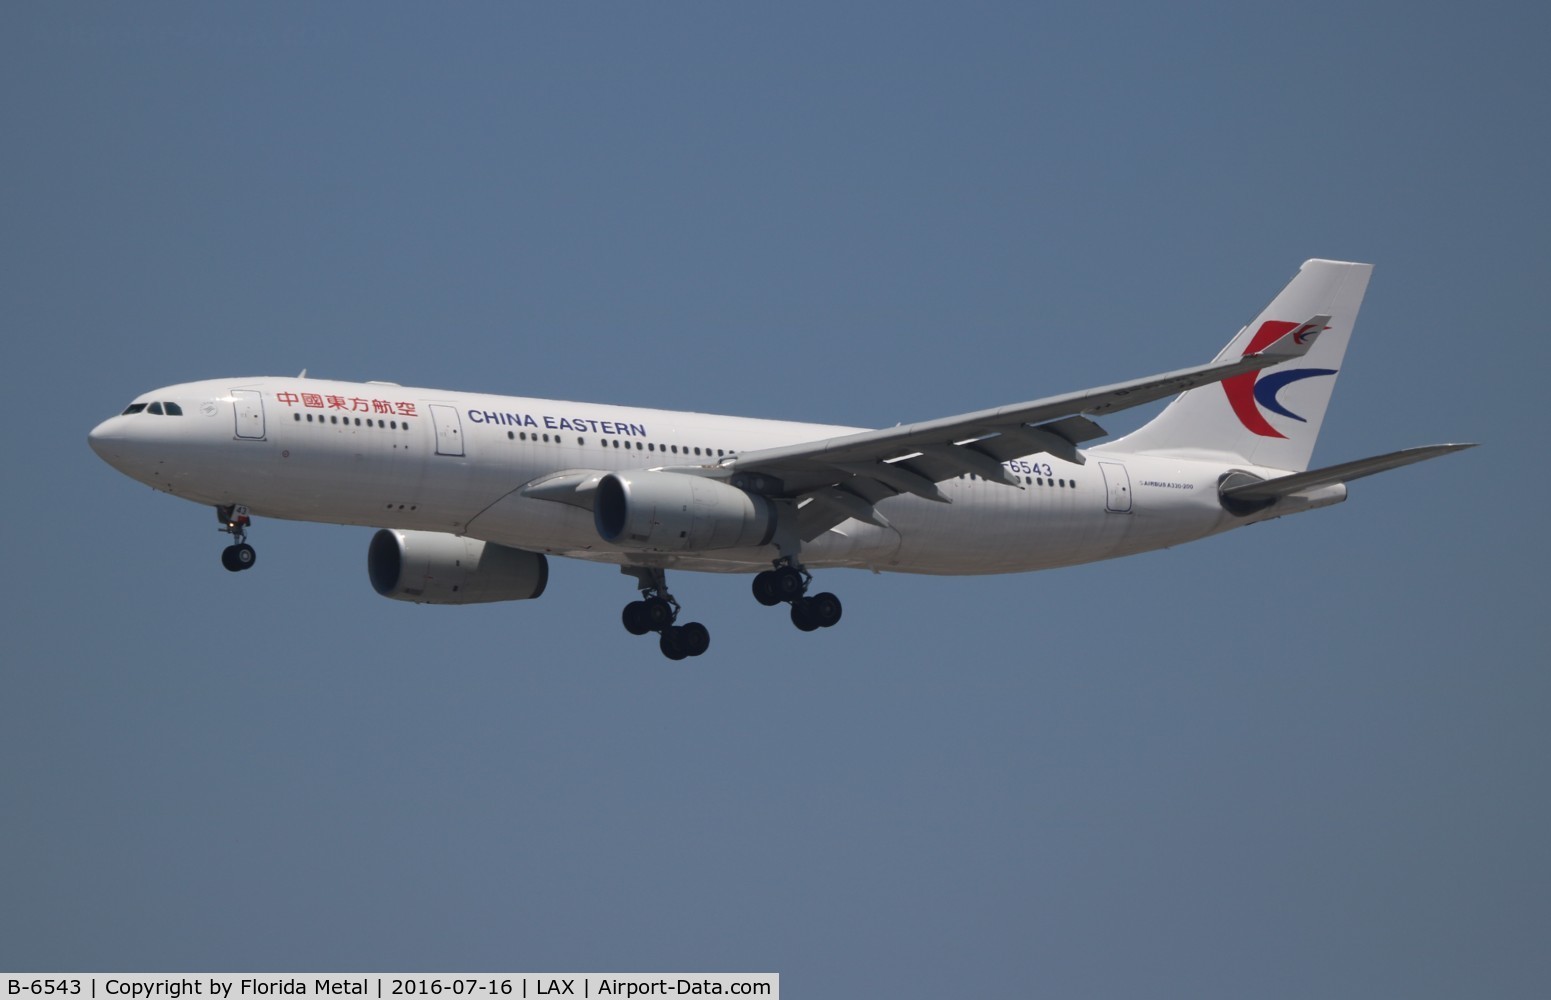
[473, 492]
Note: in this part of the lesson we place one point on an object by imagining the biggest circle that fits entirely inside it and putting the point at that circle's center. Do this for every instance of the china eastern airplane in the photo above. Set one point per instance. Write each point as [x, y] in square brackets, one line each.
[471, 492]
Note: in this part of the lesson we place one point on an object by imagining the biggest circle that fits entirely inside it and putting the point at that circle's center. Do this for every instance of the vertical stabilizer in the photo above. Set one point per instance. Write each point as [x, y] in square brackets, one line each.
[1269, 417]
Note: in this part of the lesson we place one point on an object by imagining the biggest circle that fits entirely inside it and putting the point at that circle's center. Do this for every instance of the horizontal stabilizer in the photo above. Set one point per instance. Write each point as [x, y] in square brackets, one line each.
[1274, 489]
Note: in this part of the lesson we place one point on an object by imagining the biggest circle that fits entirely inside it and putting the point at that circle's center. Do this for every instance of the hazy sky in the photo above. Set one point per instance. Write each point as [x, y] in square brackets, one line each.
[1307, 759]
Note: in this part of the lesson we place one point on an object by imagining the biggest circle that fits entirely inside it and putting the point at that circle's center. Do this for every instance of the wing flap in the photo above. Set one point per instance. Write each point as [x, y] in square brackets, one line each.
[896, 477]
[969, 459]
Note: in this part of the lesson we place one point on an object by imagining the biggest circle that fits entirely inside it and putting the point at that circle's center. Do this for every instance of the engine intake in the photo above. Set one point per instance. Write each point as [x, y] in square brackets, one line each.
[650, 511]
[430, 567]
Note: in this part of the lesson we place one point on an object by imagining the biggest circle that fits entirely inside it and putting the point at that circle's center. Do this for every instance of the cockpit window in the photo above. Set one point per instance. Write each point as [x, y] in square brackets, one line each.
[155, 408]
[174, 410]
[133, 408]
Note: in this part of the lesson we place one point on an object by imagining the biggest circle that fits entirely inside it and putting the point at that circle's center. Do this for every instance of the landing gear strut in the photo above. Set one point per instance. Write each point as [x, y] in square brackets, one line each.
[657, 611]
[235, 521]
[789, 582]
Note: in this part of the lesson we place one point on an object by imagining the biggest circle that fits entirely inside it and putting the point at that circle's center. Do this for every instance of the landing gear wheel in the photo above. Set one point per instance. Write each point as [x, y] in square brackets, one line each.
[818, 611]
[803, 616]
[679, 641]
[765, 589]
[695, 638]
[657, 613]
[672, 644]
[825, 608]
[634, 618]
[238, 557]
[787, 583]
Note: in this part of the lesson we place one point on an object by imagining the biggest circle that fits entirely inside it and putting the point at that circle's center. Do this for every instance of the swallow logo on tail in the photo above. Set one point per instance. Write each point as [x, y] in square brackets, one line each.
[1252, 391]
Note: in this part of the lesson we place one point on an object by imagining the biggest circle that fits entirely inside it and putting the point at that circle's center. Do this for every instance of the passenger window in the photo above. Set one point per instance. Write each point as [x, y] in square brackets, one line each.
[155, 408]
[174, 410]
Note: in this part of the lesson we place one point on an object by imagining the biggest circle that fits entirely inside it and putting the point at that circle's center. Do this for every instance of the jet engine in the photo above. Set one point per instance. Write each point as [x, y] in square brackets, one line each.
[430, 567]
[672, 512]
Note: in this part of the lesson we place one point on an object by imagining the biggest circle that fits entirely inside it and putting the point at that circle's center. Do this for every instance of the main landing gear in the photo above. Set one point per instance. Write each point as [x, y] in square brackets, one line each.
[789, 582]
[657, 611]
[235, 521]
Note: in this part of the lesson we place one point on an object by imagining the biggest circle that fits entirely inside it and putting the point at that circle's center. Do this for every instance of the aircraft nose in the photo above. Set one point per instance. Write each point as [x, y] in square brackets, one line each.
[110, 440]
[101, 439]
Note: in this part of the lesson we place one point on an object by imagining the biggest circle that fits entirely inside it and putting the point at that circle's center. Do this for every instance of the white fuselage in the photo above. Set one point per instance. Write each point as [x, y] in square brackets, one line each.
[382, 455]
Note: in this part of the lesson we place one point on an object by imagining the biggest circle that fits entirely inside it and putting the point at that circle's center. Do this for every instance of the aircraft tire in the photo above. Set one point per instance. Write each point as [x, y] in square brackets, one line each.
[657, 613]
[634, 618]
[787, 583]
[765, 590]
[694, 638]
[237, 558]
[825, 609]
[803, 616]
[672, 644]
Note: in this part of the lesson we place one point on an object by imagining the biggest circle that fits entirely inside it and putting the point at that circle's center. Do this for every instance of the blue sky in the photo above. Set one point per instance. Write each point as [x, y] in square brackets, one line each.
[1305, 759]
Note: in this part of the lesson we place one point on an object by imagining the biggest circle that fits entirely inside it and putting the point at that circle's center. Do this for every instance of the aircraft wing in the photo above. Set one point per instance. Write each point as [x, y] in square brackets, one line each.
[842, 477]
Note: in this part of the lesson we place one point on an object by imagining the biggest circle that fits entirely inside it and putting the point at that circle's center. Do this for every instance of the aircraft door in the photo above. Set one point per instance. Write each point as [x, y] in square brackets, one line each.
[449, 429]
[248, 404]
[1117, 488]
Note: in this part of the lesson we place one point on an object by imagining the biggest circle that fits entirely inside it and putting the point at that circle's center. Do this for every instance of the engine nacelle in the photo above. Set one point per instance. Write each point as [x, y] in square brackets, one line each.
[429, 567]
[673, 512]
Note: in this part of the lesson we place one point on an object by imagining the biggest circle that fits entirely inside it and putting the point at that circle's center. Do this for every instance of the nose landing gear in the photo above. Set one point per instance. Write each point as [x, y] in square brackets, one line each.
[235, 521]
[657, 611]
